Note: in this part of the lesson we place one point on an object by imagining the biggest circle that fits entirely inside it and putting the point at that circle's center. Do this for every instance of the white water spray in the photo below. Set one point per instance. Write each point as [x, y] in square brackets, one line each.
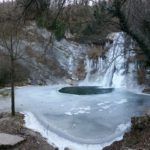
[111, 71]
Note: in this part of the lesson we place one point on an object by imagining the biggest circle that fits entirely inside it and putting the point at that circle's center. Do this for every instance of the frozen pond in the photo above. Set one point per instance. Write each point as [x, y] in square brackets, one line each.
[92, 120]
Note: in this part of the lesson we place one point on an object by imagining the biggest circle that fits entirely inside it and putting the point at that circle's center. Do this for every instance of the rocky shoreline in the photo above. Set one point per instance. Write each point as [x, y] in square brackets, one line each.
[138, 138]
[15, 126]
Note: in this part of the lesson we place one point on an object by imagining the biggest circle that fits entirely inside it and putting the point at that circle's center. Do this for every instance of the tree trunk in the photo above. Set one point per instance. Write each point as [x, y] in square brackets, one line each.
[12, 88]
[123, 21]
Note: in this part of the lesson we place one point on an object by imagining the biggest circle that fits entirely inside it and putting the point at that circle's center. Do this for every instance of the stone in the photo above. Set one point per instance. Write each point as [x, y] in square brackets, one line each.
[8, 140]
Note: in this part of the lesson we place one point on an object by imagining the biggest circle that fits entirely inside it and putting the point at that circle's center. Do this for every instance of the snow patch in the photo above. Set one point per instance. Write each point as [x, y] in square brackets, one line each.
[81, 112]
[121, 101]
[68, 113]
[106, 107]
[123, 127]
[103, 103]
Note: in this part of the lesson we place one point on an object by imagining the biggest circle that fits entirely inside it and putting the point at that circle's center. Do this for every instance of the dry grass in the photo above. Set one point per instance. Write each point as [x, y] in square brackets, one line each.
[95, 52]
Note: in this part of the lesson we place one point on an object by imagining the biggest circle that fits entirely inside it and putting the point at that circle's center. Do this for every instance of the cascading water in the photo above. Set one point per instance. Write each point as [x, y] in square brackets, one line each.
[111, 71]
[110, 68]
[94, 70]
[116, 61]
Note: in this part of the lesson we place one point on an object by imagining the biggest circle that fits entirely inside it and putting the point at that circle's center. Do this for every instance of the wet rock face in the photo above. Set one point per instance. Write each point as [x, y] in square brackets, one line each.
[52, 61]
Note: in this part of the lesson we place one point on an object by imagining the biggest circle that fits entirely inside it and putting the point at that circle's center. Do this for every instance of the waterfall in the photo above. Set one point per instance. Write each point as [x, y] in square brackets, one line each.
[111, 71]
[93, 69]
[116, 61]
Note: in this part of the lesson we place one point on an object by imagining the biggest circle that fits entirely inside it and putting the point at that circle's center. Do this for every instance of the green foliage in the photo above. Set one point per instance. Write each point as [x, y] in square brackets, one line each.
[81, 21]
[88, 30]
[100, 13]
[59, 28]
[42, 21]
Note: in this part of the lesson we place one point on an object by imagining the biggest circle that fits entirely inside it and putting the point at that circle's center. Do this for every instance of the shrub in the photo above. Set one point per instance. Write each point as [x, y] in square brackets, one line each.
[88, 30]
[41, 21]
[59, 28]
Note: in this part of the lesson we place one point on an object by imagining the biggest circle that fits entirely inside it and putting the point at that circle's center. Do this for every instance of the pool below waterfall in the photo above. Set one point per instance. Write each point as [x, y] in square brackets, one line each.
[85, 90]
[81, 122]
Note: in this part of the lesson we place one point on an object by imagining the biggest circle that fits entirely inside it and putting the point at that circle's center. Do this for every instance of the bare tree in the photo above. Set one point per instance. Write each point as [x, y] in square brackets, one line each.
[10, 46]
[131, 15]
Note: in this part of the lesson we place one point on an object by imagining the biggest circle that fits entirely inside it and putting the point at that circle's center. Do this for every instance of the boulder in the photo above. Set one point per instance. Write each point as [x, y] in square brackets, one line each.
[8, 140]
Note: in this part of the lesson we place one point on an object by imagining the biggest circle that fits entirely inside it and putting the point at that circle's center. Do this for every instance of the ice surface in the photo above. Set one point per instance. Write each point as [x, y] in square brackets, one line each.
[81, 122]
[32, 123]
[68, 113]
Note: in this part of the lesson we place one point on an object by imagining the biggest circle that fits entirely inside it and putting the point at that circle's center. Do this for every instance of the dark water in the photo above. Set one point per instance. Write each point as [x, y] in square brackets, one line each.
[85, 90]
